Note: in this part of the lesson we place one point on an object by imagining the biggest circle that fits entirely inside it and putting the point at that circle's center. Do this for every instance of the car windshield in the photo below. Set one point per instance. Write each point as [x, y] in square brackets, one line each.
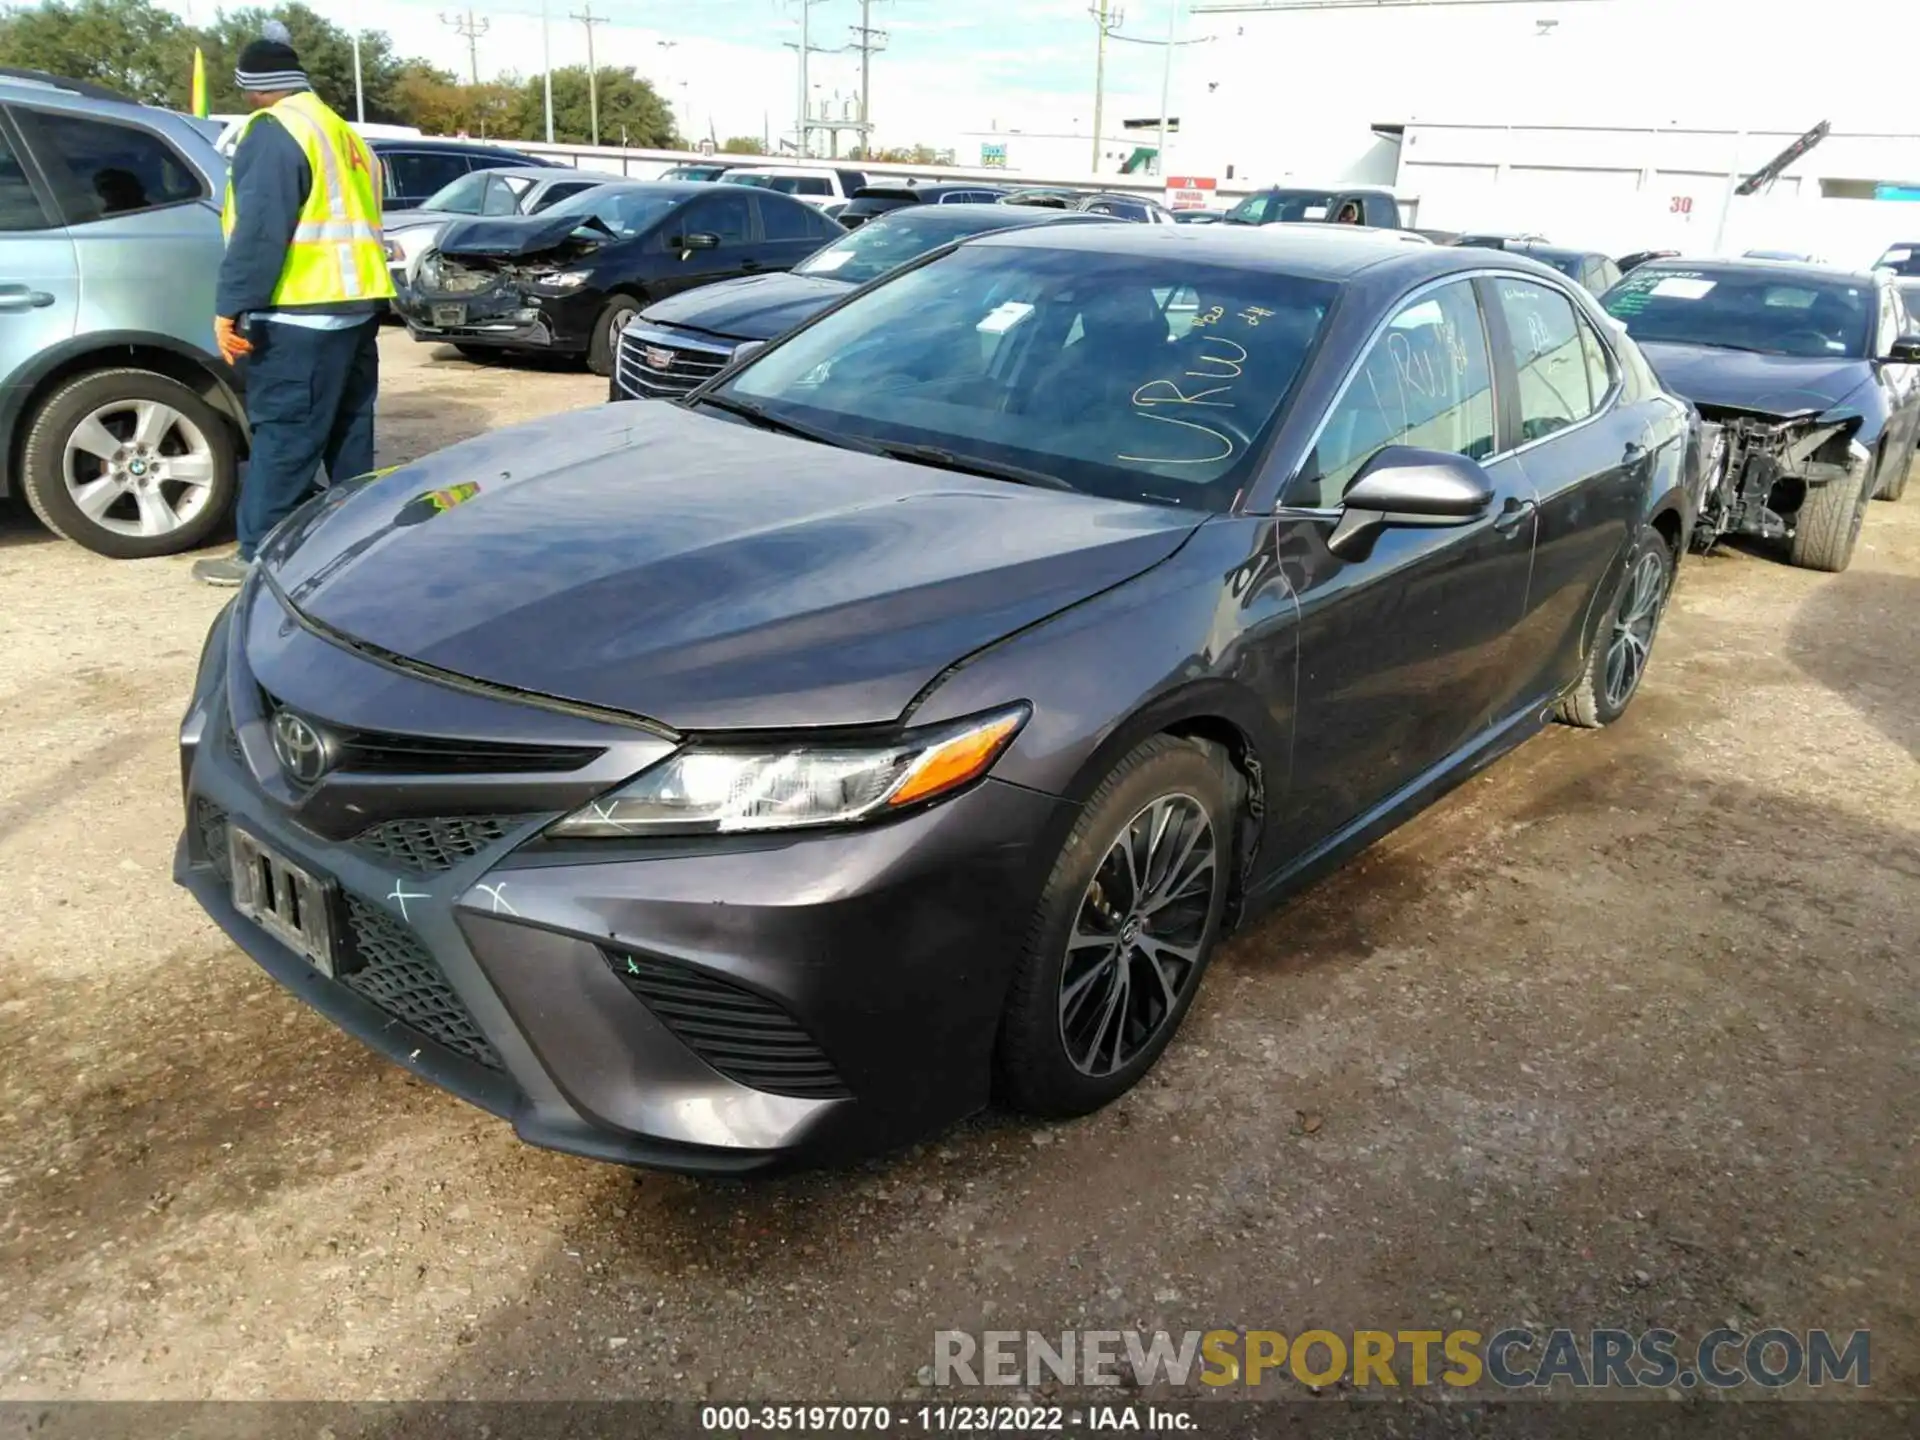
[1274, 206]
[1772, 314]
[893, 239]
[1566, 262]
[1902, 260]
[459, 197]
[785, 184]
[1150, 378]
[625, 212]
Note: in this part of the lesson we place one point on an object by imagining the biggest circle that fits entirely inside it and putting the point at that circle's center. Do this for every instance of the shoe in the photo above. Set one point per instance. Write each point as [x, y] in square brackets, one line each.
[226, 571]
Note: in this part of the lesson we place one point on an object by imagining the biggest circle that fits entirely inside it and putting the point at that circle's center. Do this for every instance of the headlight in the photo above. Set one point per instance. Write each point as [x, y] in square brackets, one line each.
[562, 279]
[726, 791]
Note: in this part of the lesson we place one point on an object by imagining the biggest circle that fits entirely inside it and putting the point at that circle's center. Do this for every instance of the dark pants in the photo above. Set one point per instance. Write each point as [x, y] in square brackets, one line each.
[310, 397]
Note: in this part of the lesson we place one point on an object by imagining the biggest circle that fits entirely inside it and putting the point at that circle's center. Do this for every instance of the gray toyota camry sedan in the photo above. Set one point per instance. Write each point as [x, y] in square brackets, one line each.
[900, 720]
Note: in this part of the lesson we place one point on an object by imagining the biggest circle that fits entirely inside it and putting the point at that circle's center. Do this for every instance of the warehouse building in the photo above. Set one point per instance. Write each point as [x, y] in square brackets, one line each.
[1610, 123]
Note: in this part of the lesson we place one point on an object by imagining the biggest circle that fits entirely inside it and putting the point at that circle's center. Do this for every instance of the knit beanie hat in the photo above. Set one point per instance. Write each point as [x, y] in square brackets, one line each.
[268, 65]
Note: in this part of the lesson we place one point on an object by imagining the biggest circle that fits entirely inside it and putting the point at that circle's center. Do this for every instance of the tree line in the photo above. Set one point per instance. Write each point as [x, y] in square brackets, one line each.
[146, 53]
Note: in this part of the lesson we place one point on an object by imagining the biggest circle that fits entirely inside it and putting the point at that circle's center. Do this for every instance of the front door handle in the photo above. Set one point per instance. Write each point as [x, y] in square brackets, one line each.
[18, 297]
[1514, 514]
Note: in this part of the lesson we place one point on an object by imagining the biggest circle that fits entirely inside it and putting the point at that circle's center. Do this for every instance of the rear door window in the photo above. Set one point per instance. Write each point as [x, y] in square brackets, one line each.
[725, 215]
[100, 168]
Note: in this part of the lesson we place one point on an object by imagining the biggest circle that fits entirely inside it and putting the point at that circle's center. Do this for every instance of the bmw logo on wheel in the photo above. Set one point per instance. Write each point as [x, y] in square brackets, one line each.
[302, 750]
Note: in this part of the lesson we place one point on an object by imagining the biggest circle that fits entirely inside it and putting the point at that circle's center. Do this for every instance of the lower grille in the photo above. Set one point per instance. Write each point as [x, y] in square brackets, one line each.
[397, 974]
[686, 367]
[210, 834]
[742, 1034]
[440, 844]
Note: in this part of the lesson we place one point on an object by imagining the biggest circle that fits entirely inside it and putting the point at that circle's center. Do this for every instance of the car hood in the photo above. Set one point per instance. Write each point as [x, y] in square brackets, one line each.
[410, 219]
[702, 572]
[1782, 386]
[755, 307]
[514, 234]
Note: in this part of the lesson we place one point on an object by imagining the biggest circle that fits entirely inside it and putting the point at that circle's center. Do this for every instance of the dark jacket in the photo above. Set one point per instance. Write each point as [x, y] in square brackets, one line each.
[271, 180]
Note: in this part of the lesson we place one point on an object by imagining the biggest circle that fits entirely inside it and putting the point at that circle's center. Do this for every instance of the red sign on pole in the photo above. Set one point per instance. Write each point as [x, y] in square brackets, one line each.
[1190, 192]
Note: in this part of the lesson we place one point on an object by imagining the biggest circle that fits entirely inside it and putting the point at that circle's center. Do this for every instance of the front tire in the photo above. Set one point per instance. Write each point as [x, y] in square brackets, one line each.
[1621, 651]
[614, 319]
[1827, 528]
[1123, 931]
[130, 464]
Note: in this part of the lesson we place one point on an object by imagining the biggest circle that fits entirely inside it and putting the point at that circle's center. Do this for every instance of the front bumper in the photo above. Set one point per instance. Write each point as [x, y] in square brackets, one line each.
[504, 316]
[706, 1006]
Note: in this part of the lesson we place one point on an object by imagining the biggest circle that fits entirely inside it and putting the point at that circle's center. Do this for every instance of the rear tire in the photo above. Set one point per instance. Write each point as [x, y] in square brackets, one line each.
[1620, 653]
[1109, 969]
[1893, 484]
[606, 333]
[140, 501]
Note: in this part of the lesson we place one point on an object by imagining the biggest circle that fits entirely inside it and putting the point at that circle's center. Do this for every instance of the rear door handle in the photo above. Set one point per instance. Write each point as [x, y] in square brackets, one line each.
[1514, 515]
[18, 297]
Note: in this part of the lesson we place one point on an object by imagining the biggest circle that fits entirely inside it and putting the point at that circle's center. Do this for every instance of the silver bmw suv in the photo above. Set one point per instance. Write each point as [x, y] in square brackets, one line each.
[119, 424]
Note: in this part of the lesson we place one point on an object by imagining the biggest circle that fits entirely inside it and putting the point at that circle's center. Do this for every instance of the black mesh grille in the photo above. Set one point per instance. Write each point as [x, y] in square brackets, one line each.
[210, 830]
[743, 1035]
[439, 844]
[397, 974]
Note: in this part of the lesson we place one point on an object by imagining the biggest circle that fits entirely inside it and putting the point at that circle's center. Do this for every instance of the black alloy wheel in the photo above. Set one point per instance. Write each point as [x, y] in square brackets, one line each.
[1137, 939]
[1124, 929]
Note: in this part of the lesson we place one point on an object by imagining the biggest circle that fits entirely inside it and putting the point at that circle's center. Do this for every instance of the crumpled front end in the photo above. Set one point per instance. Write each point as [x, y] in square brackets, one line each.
[1759, 470]
[516, 301]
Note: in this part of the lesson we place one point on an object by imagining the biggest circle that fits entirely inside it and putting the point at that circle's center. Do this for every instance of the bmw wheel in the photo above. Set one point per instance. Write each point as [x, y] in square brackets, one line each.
[1617, 662]
[129, 463]
[1123, 933]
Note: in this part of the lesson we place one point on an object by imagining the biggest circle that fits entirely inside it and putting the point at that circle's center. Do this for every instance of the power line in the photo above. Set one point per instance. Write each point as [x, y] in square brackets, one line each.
[589, 19]
[469, 29]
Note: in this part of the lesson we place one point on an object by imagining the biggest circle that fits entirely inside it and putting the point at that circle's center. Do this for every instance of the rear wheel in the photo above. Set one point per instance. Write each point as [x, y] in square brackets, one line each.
[614, 319]
[1123, 932]
[1618, 662]
[1828, 525]
[129, 463]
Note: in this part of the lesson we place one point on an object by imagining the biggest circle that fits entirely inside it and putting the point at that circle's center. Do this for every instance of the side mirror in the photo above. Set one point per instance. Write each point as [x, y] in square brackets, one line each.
[1905, 350]
[1402, 485]
[744, 352]
[699, 240]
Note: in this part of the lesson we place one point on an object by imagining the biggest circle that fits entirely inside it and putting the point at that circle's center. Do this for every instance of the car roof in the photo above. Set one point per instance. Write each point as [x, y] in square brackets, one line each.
[1558, 252]
[79, 97]
[661, 187]
[1785, 269]
[377, 143]
[1321, 252]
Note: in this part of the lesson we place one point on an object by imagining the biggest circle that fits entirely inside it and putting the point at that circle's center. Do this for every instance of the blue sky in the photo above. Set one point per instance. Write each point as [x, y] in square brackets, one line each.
[950, 66]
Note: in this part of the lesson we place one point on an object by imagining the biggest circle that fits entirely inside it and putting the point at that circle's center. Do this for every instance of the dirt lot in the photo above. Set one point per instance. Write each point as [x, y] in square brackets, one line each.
[1625, 1032]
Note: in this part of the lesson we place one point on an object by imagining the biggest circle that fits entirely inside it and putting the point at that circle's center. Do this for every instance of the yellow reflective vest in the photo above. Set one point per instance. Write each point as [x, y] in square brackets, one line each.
[337, 254]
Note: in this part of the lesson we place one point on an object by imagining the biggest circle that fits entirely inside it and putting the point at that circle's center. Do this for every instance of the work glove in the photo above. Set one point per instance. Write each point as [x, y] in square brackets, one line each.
[230, 342]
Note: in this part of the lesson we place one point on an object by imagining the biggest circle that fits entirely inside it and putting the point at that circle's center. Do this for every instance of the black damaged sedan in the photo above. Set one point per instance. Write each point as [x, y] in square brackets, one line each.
[568, 280]
[902, 720]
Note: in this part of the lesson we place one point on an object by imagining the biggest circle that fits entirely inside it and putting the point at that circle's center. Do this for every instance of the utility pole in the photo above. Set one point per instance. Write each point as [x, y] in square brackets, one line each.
[469, 29]
[668, 47]
[1166, 86]
[1109, 20]
[546, 66]
[806, 48]
[589, 19]
[867, 40]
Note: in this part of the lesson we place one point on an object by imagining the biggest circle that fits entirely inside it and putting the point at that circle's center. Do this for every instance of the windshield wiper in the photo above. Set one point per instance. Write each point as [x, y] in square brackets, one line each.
[759, 415]
[993, 469]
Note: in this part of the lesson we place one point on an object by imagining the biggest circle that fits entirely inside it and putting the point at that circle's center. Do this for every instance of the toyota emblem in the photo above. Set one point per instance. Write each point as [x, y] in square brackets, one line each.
[302, 750]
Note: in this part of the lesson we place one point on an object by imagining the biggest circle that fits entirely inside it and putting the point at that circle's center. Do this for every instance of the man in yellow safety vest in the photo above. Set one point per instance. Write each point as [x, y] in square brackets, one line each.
[302, 287]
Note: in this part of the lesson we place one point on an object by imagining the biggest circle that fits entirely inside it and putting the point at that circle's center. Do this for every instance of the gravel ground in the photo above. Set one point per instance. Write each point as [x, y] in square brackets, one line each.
[1626, 1031]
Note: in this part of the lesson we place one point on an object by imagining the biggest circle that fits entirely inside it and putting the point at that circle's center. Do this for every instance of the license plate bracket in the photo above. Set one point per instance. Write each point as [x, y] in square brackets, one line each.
[449, 317]
[289, 902]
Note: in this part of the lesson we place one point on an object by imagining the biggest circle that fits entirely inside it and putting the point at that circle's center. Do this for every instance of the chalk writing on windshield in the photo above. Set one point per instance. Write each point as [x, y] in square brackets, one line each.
[1156, 395]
